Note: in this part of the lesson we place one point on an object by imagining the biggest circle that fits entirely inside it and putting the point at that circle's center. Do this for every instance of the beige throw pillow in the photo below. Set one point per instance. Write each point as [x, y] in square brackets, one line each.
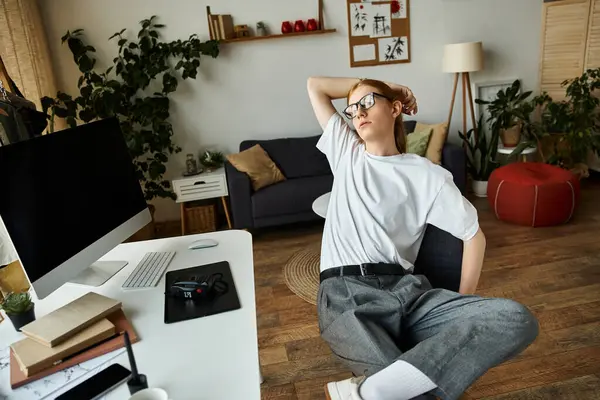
[256, 163]
[437, 140]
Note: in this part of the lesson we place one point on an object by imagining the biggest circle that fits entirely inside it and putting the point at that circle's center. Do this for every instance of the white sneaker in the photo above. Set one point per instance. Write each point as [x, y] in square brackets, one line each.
[344, 390]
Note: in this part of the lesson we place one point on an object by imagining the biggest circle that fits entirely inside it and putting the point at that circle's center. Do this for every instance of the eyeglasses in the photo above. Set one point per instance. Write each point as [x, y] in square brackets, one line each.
[366, 102]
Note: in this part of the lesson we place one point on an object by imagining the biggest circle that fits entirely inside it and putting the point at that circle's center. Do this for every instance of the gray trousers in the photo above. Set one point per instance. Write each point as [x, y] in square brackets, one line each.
[370, 322]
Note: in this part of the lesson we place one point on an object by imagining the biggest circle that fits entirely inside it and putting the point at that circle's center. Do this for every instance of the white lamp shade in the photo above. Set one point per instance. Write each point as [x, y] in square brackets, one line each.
[463, 57]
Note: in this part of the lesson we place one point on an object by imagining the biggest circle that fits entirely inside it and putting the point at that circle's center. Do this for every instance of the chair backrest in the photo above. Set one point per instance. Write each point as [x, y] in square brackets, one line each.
[440, 259]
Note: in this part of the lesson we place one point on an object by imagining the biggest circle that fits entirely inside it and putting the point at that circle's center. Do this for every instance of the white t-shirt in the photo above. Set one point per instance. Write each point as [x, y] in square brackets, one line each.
[380, 205]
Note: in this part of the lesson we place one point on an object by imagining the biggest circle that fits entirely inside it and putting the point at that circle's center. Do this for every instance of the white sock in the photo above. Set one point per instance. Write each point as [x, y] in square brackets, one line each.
[399, 381]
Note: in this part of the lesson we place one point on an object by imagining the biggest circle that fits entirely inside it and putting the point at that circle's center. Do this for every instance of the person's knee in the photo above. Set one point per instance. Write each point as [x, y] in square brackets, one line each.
[520, 325]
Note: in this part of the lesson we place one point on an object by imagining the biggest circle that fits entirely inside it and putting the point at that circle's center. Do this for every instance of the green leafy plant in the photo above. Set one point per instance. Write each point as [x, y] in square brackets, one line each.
[573, 124]
[508, 108]
[16, 303]
[212, 159]
[135, 89]
[481, 151]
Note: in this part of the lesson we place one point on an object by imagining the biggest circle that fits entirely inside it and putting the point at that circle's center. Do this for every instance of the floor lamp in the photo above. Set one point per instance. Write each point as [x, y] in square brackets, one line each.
[461, 59]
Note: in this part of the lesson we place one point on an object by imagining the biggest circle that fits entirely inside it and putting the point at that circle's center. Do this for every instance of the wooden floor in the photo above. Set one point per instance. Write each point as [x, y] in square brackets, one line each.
[554, 271]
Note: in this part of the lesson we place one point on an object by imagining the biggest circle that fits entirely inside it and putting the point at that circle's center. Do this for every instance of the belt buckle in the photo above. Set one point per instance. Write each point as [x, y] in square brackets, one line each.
[364, 269]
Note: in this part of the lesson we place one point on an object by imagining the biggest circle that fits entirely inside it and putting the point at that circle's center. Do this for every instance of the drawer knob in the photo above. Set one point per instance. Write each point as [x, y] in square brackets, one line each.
[199, 183]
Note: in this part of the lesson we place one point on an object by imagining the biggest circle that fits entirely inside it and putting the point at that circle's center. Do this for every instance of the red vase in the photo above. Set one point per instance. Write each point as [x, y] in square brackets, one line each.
[286, 27]
[312, 25]
[299, 26]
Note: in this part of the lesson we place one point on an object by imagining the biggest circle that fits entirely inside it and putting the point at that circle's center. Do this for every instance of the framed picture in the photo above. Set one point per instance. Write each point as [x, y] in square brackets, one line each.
[487, 91]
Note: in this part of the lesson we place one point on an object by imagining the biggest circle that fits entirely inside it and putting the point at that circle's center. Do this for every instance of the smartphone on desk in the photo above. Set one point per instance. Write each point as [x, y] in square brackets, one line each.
[98, 385]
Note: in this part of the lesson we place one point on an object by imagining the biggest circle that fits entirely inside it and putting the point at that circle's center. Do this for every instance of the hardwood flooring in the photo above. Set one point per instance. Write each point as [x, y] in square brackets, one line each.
[554, 271]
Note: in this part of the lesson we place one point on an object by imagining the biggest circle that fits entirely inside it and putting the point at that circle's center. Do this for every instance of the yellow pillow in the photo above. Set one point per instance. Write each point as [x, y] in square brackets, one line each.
[256, 163]
[416, 142]
[437, 140]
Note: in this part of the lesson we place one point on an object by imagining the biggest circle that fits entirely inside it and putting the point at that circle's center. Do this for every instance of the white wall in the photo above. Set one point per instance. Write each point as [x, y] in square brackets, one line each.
[257, 89]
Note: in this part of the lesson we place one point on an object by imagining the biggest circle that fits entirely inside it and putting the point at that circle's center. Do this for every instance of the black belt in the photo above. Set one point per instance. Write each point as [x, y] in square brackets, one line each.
[367, 269]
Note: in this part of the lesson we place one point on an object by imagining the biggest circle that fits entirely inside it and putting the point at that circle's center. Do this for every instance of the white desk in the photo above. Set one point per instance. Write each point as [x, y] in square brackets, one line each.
[210, 358]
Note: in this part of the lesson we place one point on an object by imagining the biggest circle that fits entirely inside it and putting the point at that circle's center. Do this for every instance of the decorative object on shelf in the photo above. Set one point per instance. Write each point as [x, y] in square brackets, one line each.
[241, 31]
[221, 27]
[463, 58]
[286, 32]
[312, 25]
[506, 111]
[261, 29]
[19, 308]
[212, 160]
[121, 91]
[378, 33]
[481, 157]
[299, 26]
[191, 166]
[286, 27]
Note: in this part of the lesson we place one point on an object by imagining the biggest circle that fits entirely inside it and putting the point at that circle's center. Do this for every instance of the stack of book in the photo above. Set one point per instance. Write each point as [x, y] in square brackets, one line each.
[88, 327]
[221, 27]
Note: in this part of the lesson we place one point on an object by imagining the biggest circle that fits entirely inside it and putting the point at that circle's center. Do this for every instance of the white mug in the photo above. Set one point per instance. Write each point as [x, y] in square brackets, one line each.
[150, 394]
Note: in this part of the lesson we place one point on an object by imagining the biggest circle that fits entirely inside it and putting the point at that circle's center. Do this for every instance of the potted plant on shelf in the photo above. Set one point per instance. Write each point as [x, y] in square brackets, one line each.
[136, 89]
[506, 112]
[481, 156]
[212, 160]
[19, 308]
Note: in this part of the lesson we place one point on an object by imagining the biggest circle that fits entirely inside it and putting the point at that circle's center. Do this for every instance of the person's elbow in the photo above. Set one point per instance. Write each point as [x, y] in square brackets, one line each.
[312, 84]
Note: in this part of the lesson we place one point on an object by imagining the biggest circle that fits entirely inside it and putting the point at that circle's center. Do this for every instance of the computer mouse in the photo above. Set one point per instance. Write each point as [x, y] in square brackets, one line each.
[203, 244]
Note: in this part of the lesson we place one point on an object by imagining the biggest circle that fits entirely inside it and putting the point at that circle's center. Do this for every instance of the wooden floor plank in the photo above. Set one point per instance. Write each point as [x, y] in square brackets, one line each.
[273, 355]
[314, 389]
[580, 388]
[539, 371]
[307, 348]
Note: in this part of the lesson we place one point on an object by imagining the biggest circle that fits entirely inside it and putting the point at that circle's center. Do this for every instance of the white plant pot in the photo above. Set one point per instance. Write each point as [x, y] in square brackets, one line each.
[480, 188]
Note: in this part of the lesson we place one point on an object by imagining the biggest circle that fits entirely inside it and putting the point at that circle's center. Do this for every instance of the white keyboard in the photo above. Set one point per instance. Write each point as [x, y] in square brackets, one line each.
[149, 270]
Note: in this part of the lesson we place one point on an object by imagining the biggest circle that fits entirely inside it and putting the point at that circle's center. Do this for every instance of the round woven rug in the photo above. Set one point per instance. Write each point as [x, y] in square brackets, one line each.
[301, 273]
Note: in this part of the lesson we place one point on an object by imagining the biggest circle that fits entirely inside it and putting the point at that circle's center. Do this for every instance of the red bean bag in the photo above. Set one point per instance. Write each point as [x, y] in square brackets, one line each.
[533, 194]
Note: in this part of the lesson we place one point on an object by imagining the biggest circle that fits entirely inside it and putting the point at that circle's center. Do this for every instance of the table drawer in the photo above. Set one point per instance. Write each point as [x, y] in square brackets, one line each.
[200, 188]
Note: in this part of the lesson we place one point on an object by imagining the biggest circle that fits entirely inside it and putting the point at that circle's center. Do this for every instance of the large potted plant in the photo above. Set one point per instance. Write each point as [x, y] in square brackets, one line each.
[135, 89]
[19, 308]
[572, 125]
[481, 157]
[506, 112]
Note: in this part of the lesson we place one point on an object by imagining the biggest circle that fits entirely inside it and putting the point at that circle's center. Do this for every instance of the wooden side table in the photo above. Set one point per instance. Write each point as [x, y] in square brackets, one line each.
[207, 185]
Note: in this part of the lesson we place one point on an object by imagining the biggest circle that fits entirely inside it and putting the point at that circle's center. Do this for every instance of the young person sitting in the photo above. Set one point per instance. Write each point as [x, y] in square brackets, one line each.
[371, 307]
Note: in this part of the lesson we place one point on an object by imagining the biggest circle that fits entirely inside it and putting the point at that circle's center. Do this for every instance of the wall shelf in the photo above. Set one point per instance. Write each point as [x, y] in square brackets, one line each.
[278, 36]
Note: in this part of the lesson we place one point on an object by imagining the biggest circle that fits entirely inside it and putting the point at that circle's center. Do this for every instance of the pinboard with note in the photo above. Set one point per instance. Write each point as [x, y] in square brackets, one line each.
[378, 32]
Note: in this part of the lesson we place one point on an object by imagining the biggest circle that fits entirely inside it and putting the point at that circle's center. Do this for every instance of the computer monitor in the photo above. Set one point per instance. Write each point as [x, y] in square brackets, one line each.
[68, 198]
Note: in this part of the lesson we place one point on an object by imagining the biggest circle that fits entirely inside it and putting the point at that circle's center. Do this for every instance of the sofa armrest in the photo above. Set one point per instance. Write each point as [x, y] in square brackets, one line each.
[240, 197]
[454, 160]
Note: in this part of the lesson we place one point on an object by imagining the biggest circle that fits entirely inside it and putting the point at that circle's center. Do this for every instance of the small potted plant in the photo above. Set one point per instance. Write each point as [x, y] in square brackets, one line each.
[19, 308]
[506, 113]
[261, 29]
[481, 155]
[212, 160]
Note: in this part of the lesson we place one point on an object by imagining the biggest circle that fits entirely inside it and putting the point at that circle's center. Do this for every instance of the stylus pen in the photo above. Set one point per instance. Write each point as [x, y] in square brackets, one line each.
[133, 366]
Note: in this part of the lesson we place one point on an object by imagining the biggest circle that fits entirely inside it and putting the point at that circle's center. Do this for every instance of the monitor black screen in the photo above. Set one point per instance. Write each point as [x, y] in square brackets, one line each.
[63, 191]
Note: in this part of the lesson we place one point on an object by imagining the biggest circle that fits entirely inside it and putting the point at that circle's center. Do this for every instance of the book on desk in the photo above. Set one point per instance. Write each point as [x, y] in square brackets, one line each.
[31, 360]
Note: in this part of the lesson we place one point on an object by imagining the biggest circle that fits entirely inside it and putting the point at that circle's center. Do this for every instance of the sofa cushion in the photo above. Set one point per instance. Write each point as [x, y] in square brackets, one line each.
[297, 157]
[255, 162]
[437, 141]
[418, 141]
[291, 196]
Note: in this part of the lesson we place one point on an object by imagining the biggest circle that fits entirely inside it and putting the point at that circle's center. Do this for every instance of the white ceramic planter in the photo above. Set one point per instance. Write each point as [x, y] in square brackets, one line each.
[480, 188]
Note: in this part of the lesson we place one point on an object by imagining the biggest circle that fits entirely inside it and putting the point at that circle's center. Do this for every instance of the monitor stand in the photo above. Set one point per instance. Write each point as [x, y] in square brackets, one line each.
[98, 273]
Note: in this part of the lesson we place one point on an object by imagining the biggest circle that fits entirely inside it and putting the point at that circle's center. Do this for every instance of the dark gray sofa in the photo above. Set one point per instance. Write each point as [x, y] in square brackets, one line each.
[308, 176]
